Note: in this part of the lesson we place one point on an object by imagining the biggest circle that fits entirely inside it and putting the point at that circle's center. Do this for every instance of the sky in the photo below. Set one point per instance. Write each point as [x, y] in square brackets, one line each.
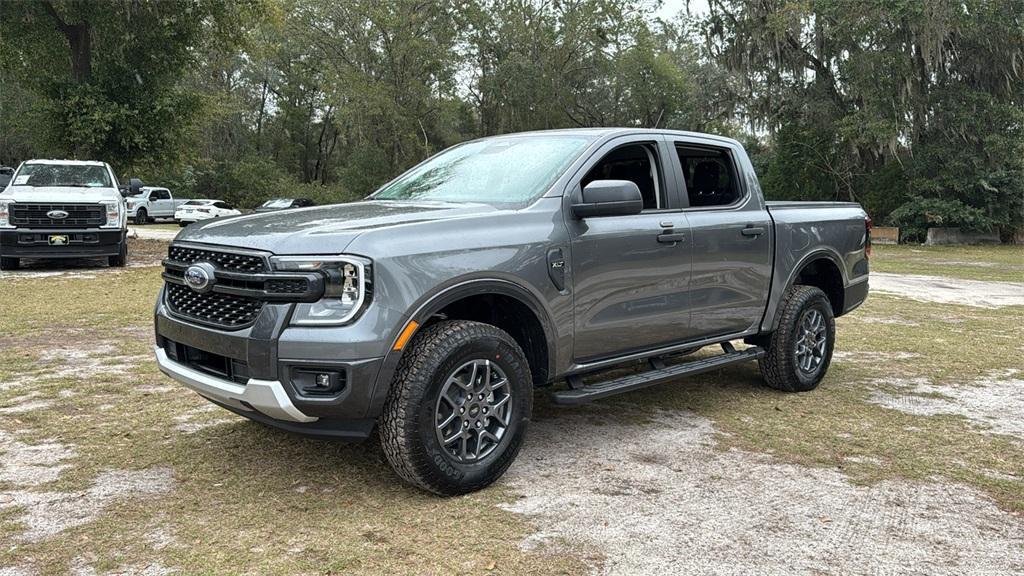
[670, 8]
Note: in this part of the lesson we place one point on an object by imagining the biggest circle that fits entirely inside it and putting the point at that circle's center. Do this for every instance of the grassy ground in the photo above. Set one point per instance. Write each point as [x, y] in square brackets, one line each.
[160, 225]
[968, 262]
[247, 499]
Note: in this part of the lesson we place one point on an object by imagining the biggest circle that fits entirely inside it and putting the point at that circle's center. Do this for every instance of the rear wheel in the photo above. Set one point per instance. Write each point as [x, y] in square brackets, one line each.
[457, 411]
[141, 217]
[800, 350]
[9, 263]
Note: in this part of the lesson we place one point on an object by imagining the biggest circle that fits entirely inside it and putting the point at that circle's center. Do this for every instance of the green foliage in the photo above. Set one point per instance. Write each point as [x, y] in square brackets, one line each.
[915, 217]
[915, 109]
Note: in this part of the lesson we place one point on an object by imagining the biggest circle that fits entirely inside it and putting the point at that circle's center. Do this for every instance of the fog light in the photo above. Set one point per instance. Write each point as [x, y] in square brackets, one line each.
[317, 381]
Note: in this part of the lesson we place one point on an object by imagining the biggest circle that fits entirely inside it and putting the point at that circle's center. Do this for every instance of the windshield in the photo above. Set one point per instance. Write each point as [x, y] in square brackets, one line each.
[510, 170]
[62, 175]
[277, 203]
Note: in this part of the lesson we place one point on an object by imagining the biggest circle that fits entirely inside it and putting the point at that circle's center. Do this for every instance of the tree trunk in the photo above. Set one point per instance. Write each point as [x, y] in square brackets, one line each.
[79, 42]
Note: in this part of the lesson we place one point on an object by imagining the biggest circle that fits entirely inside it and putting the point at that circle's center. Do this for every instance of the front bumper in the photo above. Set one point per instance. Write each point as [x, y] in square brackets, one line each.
[266, 396]
[263, 365]
[82, 243]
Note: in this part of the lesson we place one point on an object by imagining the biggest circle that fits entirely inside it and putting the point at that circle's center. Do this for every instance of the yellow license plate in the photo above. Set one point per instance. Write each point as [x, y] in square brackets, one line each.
[59, 240]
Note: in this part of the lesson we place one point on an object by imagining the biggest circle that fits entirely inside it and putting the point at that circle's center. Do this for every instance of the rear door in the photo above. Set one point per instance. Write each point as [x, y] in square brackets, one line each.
[630, 287]
[731, 235]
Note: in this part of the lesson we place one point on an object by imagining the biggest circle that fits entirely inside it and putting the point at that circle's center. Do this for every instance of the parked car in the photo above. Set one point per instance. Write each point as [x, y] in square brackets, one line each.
[63, 209]
[196, 210]
[6, 173]
[433, 308]
[151, 203]
[284, 204]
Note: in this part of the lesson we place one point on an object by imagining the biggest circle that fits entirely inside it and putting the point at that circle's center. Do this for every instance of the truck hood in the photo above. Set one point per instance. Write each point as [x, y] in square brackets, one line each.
[59, 194]
[322, 229]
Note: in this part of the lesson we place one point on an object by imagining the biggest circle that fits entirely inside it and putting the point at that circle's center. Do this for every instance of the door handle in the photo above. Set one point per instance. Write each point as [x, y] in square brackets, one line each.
[752, 231]
[670, 237]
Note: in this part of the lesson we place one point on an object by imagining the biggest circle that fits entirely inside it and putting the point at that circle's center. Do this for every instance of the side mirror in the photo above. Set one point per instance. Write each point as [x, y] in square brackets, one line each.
[609, 198]
[135, 185]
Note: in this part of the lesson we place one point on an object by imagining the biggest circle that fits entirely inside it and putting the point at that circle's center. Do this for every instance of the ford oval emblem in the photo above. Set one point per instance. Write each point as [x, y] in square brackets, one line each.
[200, 277]
[56, 214]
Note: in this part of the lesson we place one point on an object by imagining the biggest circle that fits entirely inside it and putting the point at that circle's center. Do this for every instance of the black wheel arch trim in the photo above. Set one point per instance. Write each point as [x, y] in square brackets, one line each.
[444, 295]
[805, 261]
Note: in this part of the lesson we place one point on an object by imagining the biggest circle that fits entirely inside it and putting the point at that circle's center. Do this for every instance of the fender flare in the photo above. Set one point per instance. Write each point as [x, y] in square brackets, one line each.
[822, 253]
[432, 303]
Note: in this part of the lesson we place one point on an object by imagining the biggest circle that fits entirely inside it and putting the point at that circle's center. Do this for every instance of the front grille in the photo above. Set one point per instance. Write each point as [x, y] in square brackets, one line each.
[223, 310]
[79, 215]
[290, 286]
[207, 362]
[230, 261]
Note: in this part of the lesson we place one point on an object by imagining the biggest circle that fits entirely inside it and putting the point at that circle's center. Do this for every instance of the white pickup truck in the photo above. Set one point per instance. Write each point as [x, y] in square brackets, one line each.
[63, 209]
[150, 203]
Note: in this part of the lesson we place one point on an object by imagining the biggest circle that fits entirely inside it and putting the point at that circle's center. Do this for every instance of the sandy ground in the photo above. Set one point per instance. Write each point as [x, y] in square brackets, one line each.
[949, 290]
[657, 498]
[144, 233]
[995, 402]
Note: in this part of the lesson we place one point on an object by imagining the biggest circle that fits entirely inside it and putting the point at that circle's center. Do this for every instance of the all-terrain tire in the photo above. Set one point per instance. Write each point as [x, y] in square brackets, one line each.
[121, 259]
[141, 217]
[7, 263]
[780, 366]
[409, 421]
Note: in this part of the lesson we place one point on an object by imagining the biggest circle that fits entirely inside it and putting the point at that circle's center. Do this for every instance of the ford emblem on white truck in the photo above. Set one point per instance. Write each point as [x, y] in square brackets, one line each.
[200, 277]
[56, 214]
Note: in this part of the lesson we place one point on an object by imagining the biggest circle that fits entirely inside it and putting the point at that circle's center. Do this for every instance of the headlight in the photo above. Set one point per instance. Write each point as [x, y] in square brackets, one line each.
[346, 288]
[113, 214]
[5, 213]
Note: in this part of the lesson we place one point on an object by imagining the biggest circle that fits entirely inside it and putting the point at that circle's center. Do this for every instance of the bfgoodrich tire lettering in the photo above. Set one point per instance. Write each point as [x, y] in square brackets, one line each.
[806, 320]
[408, 429]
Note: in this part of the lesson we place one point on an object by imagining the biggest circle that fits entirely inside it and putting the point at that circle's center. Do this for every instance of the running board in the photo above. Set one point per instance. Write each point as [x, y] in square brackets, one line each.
[658, 374]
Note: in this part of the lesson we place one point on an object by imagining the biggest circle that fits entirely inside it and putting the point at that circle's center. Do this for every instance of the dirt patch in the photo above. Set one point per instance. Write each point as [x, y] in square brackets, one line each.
[949, 290]
[996, 402]
[873, 357]
[48, 513]
[24, 464]
[203, 417]
[658, 498]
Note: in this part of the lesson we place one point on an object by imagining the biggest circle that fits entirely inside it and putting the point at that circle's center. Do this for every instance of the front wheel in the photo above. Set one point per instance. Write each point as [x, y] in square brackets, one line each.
[141, 217]
[800, 350]
[458, 409]
[121, 259]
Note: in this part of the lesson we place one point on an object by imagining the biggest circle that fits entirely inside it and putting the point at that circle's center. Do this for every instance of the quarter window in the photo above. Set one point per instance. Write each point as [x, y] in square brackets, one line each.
[710, 176]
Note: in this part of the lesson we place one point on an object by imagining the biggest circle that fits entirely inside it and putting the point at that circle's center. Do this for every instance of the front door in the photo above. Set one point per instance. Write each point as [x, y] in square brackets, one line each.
[731, 235]
[630, 287]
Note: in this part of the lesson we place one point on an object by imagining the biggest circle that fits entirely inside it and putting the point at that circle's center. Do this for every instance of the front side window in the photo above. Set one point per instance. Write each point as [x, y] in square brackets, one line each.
[72, 175]
[637, 163]
[504, 170]
[709, 176]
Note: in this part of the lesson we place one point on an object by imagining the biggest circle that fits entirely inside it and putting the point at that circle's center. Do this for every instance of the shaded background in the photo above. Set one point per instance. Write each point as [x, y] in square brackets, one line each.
[912, 108]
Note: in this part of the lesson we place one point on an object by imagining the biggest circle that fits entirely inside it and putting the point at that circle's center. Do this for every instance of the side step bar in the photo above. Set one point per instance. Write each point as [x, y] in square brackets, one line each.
[658, 374]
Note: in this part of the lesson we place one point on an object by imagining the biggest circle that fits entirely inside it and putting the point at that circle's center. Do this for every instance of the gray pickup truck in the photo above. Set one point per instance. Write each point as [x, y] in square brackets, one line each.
[436, 306]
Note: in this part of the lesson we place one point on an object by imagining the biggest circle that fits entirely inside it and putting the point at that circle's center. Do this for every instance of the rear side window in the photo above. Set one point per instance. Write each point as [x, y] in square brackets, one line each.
[710, 176]
[637, 163]
[222, 205]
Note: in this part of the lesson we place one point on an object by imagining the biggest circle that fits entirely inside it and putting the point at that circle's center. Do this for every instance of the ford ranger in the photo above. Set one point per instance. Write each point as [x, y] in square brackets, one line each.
[432, 309]
[63, 209]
